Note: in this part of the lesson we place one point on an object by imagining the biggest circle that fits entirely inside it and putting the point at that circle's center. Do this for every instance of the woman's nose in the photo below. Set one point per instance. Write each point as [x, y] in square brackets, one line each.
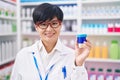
[49, 27]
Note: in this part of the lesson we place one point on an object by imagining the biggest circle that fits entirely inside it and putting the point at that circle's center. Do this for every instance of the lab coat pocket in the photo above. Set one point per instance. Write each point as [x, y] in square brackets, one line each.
[66, 70]
[57, 74]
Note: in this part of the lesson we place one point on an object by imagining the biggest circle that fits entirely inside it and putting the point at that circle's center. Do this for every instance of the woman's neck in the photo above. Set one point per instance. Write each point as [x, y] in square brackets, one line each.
[49, 46]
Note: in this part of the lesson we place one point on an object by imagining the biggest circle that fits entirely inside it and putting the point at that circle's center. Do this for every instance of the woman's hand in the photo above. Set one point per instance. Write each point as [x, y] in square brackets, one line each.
[82, 53]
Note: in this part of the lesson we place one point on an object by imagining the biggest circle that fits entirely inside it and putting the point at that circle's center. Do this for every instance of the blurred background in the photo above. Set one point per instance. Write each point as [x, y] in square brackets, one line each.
[99, 19]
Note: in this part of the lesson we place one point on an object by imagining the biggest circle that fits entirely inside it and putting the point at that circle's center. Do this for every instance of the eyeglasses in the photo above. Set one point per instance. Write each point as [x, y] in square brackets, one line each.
[53, 24]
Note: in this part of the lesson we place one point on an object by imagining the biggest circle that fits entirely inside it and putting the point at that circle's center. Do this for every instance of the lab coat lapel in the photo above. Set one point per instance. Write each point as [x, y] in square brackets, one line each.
[40, 64]
[39, 61]
[57, 57]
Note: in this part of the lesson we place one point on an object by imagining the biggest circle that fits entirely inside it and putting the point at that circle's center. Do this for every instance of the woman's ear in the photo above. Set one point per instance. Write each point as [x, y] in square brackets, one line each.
[36, 27]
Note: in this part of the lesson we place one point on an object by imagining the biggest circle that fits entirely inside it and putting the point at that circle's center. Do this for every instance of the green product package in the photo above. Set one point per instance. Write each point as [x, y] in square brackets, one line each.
[119, 52]
[114, 49]
[14, 28]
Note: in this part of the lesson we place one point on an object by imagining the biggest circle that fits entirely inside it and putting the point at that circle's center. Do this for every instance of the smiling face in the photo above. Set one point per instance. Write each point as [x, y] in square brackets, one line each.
[50, 33]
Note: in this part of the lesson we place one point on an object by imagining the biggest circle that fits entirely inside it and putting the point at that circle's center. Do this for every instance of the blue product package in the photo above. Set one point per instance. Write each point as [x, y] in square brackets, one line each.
[81, 38]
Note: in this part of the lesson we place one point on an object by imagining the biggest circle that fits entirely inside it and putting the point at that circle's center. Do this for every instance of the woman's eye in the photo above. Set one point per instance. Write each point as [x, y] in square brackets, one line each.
[44, 24]
[54, 23]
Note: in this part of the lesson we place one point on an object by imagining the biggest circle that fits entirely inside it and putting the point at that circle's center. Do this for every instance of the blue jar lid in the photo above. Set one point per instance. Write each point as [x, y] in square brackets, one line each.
[82, 35]
[81, 38]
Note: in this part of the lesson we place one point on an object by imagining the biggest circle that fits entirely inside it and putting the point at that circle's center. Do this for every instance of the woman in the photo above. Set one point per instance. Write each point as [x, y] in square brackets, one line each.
[48, 58]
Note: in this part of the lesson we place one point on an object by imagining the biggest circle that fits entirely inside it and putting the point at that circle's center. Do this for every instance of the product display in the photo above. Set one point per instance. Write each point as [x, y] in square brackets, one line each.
[99, 21]
[114, 50]
[8, 37]
[81, 38]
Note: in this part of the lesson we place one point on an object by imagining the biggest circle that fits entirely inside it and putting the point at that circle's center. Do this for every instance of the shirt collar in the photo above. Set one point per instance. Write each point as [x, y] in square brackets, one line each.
[57, 47]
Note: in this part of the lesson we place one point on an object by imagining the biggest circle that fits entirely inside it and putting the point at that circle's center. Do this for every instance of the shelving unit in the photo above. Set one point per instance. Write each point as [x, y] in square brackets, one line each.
[53, 2]
[99, 1]
[95, 18]
[103, 60]
[8, 37]
[92, 17]
[8, 31]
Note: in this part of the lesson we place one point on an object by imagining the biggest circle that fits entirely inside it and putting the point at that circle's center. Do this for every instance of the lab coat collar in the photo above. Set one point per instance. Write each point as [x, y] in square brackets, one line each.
[38, 45]
[57, 47]
[57, 56]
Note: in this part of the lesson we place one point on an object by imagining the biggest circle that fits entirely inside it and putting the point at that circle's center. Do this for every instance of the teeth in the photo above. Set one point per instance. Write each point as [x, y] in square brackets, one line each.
[49, 34]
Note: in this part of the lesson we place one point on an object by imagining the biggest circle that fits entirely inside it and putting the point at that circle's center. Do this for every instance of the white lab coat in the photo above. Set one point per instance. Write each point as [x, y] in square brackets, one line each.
[25, 69]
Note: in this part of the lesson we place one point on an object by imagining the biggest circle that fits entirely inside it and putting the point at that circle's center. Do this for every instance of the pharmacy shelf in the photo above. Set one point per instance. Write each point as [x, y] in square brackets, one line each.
[68, 33]
[8, 34]
[53, 2]
[115, 34]
[90, 34]
[100, 17]
[74, 34]
[65, 18]
[10, 1]
[8, 18]
[102, 60]
[62, 34]
[26, 19]
[89, 13]
[99, 1]
[30, 34]
[7, 61]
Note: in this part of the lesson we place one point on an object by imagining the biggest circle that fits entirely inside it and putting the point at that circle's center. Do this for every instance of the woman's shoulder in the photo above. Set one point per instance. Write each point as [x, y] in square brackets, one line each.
[68, 49]
[28, 49]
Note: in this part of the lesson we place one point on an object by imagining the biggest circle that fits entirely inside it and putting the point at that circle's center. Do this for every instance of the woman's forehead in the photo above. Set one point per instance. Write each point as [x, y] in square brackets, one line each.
[55, 18]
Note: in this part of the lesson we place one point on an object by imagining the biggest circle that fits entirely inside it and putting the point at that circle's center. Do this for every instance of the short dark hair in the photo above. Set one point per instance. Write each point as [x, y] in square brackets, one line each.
[47, 11]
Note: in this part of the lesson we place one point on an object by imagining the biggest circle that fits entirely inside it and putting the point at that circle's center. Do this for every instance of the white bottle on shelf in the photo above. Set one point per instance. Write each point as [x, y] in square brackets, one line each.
[28, 12]
[32, 9]
[1, 26]
[113, 13]
[118, 10]
[5, 29]
[74, 10]
[108, 8]
[29, 28]
[14, 49]
[92, 11]
[0, 51]
[24, 25]
[10, 48]
[96, 28]
[23, 13]
[74, 26]
[10, 26]
[105, 26]
[7, 50]
[2, 8]
[91, 28]
[3, 50]
[69, 11]
[66, 10]
[101, 28]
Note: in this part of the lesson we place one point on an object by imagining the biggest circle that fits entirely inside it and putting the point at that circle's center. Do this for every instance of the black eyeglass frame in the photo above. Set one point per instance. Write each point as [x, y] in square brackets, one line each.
[51, 23]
